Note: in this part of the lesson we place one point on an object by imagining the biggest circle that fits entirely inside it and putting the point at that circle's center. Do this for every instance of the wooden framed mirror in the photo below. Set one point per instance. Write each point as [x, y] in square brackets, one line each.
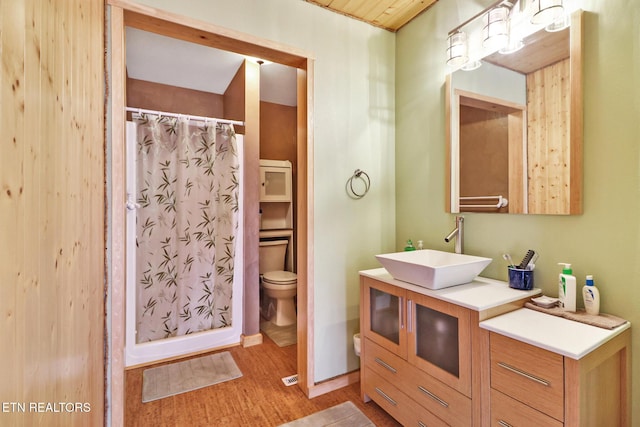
[514, 129]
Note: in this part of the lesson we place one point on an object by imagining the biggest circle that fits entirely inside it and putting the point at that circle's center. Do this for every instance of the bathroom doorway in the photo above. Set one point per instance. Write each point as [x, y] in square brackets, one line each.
[125, 13]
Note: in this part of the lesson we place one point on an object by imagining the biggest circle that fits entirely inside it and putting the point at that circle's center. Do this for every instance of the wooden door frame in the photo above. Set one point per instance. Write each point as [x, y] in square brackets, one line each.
[124, 13]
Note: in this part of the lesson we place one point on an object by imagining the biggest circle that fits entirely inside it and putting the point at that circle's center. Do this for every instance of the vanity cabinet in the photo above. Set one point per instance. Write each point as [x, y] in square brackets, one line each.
[531, 385]
[416, 355]
[471, 355]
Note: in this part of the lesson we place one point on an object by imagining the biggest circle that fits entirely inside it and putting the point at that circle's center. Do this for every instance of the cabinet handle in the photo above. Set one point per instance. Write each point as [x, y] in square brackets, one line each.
[504, 423]
[421, 424]
[385, 365]
[401, 312]
[524, 374]
[409, 316]
[383, 394]
[433, 396]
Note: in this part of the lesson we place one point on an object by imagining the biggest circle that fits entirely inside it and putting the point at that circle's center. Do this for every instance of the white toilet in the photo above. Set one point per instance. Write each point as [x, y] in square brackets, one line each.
[277, 284]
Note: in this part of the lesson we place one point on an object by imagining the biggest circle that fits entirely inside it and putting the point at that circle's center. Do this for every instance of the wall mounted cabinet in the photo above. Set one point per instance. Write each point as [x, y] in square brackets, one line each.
[275, 181]
[276, 201]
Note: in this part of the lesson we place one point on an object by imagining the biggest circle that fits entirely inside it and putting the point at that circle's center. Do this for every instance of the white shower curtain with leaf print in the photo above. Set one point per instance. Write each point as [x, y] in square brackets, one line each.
[186, 226]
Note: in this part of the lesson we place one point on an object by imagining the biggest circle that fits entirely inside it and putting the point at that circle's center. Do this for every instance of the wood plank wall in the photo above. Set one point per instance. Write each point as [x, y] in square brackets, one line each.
[549, 150]
[52, 212]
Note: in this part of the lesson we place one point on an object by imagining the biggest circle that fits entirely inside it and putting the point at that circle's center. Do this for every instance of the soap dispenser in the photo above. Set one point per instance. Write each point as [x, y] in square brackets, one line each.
[409, 246]
[567, 288]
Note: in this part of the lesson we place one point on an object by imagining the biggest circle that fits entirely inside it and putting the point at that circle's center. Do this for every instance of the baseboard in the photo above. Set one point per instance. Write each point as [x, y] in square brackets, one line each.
[334, 384]
[250, 340]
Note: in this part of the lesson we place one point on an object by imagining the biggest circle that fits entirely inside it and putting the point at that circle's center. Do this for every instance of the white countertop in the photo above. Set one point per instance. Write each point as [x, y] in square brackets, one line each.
[559, 335]
[479, 295]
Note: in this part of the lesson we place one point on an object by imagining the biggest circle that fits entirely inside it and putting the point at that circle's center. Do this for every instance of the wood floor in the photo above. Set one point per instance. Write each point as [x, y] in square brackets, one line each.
[258, 398]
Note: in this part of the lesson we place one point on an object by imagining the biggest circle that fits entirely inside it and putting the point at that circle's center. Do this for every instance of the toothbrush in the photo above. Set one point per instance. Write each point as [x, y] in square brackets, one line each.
[526, 260]
[532, 264]
[507, 258]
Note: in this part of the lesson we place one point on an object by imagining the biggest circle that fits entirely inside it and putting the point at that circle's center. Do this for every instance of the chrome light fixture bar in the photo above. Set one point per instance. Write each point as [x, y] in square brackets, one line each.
[496, 32]
[503, 27]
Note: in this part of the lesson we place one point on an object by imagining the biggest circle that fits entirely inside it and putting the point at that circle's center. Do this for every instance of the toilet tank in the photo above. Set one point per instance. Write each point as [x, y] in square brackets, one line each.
[272, 255]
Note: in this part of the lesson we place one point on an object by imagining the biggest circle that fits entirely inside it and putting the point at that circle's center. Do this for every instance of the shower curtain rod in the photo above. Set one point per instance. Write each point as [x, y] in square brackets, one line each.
[186, 116]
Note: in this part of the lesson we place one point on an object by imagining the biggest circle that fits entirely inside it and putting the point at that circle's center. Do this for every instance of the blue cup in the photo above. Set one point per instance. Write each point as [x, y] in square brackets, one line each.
[520, 279]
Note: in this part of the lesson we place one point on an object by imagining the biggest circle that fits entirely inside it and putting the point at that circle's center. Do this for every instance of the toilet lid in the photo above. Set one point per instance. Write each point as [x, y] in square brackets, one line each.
[283, 277]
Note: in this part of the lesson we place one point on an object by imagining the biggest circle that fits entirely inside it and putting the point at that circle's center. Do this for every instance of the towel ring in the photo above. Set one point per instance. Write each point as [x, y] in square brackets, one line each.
[362, 175]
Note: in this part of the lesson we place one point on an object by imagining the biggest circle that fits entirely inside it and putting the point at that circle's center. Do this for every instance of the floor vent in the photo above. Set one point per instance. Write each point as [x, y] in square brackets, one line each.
[293, 379]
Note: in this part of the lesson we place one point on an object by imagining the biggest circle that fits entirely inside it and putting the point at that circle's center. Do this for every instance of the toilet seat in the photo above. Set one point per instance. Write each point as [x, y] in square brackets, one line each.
[280, 278]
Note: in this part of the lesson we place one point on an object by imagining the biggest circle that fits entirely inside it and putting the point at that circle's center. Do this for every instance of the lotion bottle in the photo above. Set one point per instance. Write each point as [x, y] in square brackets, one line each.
[567, 288]
[591, 296]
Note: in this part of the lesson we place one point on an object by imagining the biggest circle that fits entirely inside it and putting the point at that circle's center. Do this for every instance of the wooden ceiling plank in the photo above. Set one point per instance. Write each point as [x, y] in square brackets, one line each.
[372, 10]
[339, 5]
[406, 11]
[387, 14]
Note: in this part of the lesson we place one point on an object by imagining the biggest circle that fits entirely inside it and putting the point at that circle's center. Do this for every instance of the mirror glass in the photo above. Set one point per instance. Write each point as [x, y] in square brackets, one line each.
[515, 128]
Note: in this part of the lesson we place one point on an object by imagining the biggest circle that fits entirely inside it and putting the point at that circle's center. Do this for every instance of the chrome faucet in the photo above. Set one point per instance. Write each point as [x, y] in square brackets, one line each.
[458, 233]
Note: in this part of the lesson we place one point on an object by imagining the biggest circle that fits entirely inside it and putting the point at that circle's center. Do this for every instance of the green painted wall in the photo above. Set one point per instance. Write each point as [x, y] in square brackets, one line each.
[605, 240]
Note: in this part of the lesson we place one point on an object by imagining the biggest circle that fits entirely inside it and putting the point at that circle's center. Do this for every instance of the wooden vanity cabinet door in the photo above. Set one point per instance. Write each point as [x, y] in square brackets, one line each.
[397, 404]
[506, 411]
[529, 374]
[439, 340]
[439, 400]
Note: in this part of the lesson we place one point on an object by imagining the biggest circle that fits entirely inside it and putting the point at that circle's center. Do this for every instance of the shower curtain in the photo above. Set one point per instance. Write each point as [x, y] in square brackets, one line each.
[186, 226]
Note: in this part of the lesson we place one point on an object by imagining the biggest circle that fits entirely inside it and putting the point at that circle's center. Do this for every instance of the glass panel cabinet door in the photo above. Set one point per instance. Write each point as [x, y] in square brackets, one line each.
[440, 347]
[275, 184]
[384, 315]
[440, 340]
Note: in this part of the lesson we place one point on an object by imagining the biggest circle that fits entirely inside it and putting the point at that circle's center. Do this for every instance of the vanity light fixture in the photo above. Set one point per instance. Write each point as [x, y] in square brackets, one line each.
[514, 43]
[564, 21]
[546, 11]
[457, 49]
[471, 65]
[495, 33]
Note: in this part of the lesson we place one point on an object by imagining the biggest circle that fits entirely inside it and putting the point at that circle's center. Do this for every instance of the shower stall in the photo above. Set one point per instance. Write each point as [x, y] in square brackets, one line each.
[184, 237]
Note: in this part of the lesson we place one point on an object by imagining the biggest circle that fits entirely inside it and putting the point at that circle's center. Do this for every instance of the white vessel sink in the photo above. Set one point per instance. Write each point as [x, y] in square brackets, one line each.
[433, 269]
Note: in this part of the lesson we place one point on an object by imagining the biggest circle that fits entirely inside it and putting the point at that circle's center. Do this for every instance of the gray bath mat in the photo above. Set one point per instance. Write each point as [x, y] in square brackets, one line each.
[180, 377]
[343, 415]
